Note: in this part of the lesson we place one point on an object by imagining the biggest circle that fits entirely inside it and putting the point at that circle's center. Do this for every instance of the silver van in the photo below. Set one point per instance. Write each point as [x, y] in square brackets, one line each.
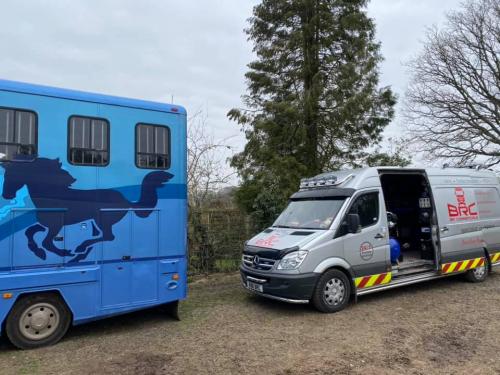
[350, 233]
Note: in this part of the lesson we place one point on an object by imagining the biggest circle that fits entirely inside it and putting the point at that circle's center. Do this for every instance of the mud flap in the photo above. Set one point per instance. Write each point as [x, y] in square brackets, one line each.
[487, 257]
[172, 309]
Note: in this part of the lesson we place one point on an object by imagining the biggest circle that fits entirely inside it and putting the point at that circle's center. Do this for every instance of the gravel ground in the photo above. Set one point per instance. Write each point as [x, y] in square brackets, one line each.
[443, 327]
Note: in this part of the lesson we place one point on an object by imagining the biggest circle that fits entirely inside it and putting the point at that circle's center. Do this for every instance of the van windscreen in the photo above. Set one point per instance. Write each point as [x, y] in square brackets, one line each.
[310, 214]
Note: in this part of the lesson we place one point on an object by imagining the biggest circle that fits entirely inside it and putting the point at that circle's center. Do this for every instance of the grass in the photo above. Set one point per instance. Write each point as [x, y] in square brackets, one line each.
[30, 367]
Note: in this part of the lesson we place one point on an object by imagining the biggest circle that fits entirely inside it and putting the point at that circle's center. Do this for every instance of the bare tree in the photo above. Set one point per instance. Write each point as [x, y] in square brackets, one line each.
[453, 101]
[208, 169]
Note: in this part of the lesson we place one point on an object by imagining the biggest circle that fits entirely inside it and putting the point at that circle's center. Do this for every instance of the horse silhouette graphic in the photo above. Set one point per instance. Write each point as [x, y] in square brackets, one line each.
[49, 187]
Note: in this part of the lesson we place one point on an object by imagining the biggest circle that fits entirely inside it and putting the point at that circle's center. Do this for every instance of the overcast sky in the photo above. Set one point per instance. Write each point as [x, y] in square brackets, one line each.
[193, 50]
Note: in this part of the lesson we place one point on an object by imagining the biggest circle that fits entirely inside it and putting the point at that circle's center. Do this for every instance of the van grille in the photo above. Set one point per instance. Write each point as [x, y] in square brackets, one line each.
[260, 263]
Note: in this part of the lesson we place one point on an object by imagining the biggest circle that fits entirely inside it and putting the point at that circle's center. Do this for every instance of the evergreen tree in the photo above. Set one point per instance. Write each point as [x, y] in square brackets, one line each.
[313, 101]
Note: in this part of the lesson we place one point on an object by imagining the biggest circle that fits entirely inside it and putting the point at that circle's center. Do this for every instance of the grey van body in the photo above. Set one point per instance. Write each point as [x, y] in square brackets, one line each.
[449, 222]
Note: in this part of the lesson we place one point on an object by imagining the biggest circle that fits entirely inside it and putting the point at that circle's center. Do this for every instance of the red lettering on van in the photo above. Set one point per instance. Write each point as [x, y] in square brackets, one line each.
[462, 210]
[267, 242]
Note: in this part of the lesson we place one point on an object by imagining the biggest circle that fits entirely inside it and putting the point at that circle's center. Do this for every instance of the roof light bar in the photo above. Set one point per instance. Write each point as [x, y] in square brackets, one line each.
[323, 181]
[307, 183]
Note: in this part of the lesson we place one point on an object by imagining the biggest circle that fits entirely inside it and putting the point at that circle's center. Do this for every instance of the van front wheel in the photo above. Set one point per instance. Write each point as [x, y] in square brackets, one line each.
[478, 274]
[332, 292]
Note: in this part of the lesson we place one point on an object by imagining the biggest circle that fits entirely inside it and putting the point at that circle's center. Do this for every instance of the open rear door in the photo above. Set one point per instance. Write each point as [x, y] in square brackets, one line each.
[435, 228]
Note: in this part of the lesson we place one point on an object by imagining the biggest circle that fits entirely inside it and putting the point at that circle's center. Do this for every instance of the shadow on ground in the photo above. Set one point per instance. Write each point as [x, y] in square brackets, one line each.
[149, 317]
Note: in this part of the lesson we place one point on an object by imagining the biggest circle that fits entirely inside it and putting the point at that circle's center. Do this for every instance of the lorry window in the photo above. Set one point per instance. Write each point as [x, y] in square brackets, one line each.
[88, 141]
[309, 214]
[18, 134]
[152, 146]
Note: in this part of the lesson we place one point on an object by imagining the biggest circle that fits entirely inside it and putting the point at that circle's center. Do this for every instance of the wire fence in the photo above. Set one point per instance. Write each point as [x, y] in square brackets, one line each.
[216, 238]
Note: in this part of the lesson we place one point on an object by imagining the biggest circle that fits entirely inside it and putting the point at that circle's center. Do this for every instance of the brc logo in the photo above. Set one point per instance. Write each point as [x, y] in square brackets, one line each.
[462, 210]
[268, 242]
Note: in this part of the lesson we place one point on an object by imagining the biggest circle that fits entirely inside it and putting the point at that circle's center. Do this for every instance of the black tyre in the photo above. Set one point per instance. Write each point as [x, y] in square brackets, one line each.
[332, 292]
[37, 320]
[478, 274]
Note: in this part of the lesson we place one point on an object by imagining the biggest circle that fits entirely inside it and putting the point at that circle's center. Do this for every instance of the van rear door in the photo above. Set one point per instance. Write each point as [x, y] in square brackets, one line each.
[459, 223]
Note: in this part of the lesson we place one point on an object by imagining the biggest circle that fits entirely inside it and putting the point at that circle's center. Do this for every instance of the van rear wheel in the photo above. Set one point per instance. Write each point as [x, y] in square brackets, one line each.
[37, 320]
[332, 292]
[478, 274]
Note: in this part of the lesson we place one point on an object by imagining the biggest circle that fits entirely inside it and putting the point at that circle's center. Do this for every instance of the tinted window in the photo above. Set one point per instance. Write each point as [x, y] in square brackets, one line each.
[366, 206]
[18, 134]
[88, 141]
[152, 146]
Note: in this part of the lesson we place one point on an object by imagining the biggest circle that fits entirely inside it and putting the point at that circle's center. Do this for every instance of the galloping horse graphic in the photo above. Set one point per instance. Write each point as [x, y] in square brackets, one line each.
[49, 187]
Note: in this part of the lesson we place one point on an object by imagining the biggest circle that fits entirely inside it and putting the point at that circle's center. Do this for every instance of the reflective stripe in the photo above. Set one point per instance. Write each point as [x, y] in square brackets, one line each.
[495, 257]
[372, 280]
[475, 262]
[462, 265]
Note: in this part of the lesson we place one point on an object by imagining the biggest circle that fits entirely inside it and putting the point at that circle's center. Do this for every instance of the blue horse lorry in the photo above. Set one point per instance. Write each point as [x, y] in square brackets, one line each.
[93, 209]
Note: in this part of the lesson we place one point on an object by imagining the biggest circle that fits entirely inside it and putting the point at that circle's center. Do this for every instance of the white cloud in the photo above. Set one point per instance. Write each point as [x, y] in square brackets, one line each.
[194, 50]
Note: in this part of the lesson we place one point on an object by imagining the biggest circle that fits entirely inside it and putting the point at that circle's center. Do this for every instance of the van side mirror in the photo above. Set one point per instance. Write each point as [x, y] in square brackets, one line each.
[353, 223]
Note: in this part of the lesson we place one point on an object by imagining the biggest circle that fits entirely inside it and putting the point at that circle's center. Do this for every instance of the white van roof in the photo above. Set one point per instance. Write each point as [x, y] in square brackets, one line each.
[369, 177]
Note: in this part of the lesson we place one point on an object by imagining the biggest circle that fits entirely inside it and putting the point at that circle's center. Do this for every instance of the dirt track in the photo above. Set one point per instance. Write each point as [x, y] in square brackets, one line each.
[446, 326]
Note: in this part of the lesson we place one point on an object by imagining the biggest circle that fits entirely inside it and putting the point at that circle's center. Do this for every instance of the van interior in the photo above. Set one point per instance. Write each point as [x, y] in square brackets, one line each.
[411, 218]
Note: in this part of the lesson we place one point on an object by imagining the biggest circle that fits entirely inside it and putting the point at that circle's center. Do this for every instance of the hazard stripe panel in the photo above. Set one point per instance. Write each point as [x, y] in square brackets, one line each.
[495, 258]
[372, 280]
[462, 265]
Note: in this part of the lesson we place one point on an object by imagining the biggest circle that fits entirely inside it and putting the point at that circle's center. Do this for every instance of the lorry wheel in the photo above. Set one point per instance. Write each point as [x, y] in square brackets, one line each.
[477, 274]
[37, 320]
[332, 292]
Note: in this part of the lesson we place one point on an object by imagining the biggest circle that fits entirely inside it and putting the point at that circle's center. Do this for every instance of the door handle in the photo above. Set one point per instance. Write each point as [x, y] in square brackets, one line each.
[126, 257]
[379, 236]
[444, 229]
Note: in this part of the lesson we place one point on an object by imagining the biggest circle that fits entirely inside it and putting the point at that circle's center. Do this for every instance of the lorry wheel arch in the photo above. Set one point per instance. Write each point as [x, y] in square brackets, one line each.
[53, 304]
[55, 292]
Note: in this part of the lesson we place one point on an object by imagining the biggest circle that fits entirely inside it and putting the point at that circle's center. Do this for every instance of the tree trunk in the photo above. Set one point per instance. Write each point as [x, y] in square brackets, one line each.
[311, 69]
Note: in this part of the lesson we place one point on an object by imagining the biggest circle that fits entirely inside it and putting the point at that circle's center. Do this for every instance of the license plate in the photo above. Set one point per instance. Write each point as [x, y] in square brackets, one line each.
[255, 286]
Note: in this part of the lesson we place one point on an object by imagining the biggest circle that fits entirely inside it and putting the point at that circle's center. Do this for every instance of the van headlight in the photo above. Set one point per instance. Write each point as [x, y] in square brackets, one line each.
[292, 260]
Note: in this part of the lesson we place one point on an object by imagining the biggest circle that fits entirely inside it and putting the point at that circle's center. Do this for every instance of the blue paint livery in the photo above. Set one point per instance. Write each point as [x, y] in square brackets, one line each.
[108, 239]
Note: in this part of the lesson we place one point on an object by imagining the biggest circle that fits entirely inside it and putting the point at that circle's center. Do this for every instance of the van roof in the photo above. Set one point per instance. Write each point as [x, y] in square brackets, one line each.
[27, 88]
[430, 171]
[366, 177]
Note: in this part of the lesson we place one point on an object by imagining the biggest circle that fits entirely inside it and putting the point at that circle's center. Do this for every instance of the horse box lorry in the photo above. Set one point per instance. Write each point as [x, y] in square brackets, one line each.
[92, 209]
[350, 233]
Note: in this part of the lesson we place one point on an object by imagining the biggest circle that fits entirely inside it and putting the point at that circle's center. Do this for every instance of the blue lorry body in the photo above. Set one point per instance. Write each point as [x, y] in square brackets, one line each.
[109, 239]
